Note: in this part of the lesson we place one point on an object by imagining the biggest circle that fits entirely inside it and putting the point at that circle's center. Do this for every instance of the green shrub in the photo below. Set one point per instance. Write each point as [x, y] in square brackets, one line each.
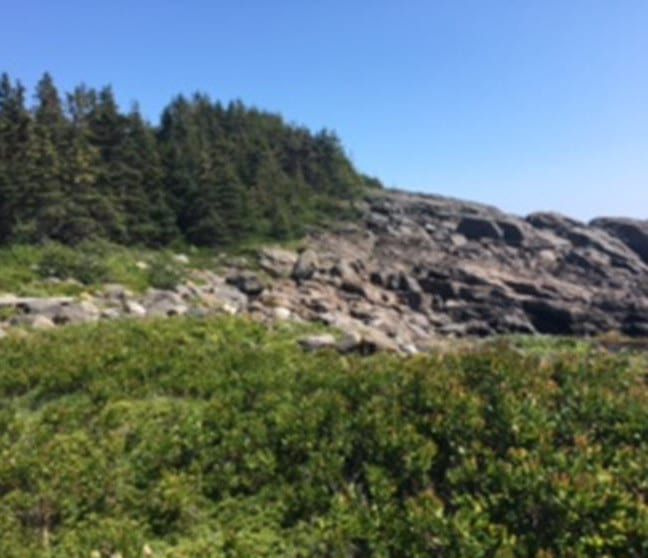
[164, 274]
[63, 262]
[221, 438]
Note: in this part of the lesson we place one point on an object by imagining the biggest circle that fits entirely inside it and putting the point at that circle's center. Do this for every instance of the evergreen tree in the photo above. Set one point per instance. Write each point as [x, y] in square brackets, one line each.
[216, 211]
[37, 206]
[107, 131]
[149, 217]
[15, 136]
[210, 174]
[83, 162]
[183, 159]
[48, 111]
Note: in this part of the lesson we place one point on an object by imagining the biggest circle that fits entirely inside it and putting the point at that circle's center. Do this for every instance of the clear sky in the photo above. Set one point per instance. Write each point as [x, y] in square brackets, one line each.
[526, 105]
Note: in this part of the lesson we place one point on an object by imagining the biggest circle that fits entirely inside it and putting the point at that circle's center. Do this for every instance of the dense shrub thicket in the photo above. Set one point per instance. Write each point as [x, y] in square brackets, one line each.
[220, 438]
[78, 168]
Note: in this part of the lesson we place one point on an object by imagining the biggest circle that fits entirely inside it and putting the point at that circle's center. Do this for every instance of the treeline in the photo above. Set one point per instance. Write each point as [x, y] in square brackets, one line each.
[76, 167]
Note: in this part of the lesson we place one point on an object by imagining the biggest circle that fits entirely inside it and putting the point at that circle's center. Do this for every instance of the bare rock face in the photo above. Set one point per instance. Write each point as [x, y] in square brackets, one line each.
[427, 266]
[414, 270]
[632, 232]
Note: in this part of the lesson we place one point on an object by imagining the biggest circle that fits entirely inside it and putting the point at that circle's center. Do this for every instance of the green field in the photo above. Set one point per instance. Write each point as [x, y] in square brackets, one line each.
[218, 438]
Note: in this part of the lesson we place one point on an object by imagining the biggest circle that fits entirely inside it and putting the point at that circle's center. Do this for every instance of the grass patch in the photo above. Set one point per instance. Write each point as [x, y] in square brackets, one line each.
[54, 269]
[222, 438]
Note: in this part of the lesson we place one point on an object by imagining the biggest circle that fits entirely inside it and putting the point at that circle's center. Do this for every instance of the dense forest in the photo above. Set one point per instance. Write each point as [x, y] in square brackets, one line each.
[76, 167]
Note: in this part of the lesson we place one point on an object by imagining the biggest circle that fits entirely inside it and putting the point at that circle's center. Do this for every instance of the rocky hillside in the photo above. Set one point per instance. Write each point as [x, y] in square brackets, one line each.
[413, 270]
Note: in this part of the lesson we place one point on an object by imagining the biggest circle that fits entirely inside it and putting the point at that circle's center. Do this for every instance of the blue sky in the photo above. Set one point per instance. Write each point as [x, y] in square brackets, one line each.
[525, 105]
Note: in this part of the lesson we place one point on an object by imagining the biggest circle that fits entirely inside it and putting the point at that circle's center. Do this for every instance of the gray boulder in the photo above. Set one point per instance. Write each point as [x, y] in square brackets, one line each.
[134, 308]
[549, 316]
[35, 321]
[512, 231]
[110, 314]
[476, 228]
[114, 292]
[160, 303]
[318, 342]
[350, 280]
[228, 298]
[75, 313]
[366, 341]
[46, 305]
[277, 261]
[246, 282]
[552, 221]
[305, 266]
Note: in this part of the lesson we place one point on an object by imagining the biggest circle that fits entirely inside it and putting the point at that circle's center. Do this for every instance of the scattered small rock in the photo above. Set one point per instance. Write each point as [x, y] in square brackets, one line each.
[110, 314]
[181, 259]
[41, 322]
[281, 314]
[135, 308]
[116, 292]
[318, 342]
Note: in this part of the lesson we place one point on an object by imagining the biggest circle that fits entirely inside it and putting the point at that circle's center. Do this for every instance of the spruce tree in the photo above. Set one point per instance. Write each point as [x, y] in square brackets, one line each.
[82, 166]
[183, 159]
[39, 210]
[149, 217]
[210, 174]
[107, 129]
[15, 136]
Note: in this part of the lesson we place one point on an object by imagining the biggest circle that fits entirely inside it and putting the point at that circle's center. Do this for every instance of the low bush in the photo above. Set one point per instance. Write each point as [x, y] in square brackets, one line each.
[30, 270]
[164, 273]
[186, 438]
[63, 262]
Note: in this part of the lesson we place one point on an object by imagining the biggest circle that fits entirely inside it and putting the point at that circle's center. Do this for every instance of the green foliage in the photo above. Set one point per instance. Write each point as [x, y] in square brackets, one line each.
[221, 438]
[208, 175]
[164, 273]
[56, 269]
[66, 263]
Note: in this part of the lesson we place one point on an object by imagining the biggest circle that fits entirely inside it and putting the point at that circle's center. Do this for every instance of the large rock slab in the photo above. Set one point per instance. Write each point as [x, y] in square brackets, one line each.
[632, 232]
[161, 303]
[476, 228]
[278, 262]
[318, 342]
